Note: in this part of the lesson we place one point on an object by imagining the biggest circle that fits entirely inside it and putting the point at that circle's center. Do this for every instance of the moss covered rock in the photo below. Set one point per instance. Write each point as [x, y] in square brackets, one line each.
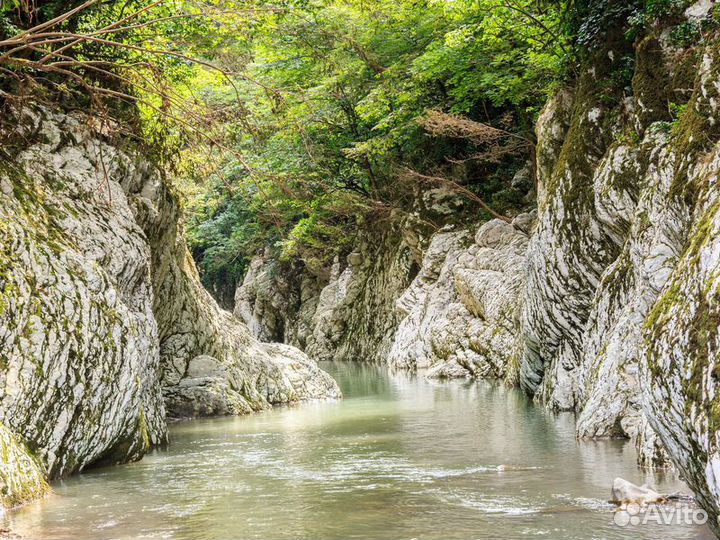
[21, 478]
[103, 320]
[621, 311]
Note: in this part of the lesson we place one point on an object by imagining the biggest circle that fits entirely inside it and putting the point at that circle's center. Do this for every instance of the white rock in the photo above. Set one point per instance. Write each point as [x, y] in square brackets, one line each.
[102, 314]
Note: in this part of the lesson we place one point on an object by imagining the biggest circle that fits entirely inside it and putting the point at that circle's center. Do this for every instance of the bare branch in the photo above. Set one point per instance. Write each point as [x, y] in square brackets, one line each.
[456, 187]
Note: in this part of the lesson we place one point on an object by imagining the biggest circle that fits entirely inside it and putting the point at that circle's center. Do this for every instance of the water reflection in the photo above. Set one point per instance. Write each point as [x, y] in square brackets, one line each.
[399, 457]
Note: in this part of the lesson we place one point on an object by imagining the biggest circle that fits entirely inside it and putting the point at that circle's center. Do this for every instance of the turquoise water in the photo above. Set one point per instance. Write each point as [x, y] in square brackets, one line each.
[399, 457]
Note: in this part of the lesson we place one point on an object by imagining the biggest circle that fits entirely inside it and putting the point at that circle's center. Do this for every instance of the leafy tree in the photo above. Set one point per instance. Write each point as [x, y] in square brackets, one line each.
[336, 92]
[295, 124]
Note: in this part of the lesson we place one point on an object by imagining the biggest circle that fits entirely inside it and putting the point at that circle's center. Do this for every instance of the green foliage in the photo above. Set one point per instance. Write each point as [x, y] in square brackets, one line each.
[334, 91]
[669, 13]
[301, 131]
[601, 16]
[225, 232]
[677, 110]
[685, 34]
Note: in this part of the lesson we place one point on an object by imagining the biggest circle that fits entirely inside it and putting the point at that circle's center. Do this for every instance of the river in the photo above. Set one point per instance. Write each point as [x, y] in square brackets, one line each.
[399, 457]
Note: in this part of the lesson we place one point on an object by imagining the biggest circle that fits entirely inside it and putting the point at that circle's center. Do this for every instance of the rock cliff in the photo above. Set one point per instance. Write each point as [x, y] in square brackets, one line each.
[608, 304]
[620, 305]
[452, 309]
[103, 324]
[461, 311]
[346, 313]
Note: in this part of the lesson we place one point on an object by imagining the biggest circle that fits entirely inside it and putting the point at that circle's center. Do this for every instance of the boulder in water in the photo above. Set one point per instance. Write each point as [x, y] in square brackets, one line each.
[624, 492]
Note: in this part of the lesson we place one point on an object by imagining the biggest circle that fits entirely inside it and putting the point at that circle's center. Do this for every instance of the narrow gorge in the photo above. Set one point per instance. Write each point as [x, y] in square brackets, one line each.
[544, 263]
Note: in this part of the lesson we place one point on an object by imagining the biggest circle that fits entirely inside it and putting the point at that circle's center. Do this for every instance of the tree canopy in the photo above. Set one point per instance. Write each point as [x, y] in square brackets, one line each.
[291, 125]
[334, 97]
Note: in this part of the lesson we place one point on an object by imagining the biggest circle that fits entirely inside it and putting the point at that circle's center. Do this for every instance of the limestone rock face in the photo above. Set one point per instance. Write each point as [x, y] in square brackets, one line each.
[620, 317]
[565, 258]
[461, 311]
[102, 317]
[608, 236]
[681, 337]
[210, 362]
[346, 313]
[21, 477]
[610, 370]
[426, 303]
[355, 318]
[456, 314]
[257, 301]
[277, 303]
[78, 339]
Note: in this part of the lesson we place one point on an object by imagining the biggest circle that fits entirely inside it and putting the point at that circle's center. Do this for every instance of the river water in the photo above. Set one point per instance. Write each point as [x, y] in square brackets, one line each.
[399, 457]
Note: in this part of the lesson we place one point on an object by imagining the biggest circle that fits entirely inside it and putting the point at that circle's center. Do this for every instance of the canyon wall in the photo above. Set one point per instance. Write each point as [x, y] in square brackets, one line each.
[606, 302]
[344, 313]
[619, 316]
[447, 303]
[104, 327]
